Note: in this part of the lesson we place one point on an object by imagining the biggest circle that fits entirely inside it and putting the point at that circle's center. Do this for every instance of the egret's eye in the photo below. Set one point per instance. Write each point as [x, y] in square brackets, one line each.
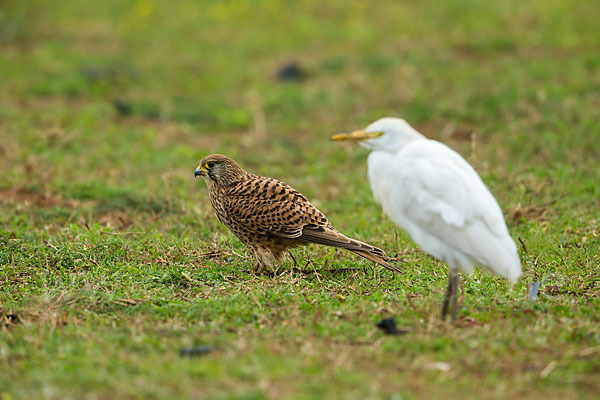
[209, 165]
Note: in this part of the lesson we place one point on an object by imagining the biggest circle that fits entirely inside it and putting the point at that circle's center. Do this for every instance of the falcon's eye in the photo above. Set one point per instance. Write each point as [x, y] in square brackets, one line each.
[209, 165]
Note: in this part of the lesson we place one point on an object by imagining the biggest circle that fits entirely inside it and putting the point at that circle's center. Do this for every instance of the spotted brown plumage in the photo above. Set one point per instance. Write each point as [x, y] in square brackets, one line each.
[269, 216]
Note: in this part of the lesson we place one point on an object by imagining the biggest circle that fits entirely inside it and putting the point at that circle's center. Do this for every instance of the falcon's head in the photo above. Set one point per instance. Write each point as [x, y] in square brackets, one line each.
[219, 169]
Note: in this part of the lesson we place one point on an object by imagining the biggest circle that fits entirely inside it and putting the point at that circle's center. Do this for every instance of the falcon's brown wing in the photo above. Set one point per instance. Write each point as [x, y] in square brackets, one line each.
[268, 206]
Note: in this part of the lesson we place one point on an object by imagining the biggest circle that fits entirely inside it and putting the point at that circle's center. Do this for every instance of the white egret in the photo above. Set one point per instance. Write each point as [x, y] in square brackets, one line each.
[433, 193]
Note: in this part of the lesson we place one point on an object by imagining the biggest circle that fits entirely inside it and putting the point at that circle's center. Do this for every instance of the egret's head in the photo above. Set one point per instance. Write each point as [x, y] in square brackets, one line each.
[385, 134]
[218, 169]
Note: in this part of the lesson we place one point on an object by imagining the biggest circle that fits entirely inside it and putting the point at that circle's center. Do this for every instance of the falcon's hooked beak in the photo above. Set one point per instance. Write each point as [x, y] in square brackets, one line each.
[356, 136]
[199, 171]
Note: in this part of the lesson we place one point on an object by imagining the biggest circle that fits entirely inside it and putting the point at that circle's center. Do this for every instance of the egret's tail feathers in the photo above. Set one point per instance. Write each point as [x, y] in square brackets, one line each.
[508, 263]
[513, 272]
[507, 266]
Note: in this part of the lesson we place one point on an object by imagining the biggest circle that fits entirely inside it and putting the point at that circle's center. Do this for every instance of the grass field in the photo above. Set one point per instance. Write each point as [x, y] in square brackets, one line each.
[111, 258]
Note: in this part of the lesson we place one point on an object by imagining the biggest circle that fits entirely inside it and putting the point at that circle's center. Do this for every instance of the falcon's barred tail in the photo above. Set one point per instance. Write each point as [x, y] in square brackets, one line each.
[375, 258]
[333, 238]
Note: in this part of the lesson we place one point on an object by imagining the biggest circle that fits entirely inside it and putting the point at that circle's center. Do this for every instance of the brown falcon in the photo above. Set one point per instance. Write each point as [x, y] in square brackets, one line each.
[269, 216]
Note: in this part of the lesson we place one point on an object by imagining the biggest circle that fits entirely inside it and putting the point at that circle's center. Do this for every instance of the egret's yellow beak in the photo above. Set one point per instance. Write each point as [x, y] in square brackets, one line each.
[199, 171]
[356, 136]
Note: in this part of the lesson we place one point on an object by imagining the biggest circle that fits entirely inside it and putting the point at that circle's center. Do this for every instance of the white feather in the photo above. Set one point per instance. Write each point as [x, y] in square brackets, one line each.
[432, 193]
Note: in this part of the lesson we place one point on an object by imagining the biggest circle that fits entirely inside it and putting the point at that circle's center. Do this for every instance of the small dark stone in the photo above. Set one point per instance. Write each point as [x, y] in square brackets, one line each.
[290, 72]
[388, 326]
[109, 73]
[530, 368]
[195, 351]
[92, 73]
[9, 319]
[122, 107]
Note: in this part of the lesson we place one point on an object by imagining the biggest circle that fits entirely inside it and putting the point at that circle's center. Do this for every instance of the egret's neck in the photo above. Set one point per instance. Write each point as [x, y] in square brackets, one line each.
[394, 141]
[379, 164]
[402, 140]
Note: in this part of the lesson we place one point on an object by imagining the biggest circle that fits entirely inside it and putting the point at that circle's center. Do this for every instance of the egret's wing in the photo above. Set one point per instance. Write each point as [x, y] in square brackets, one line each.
[439, 199]
[435, 182]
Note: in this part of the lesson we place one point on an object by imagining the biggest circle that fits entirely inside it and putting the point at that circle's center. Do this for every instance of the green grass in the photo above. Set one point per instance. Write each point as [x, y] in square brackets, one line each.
[111, 258]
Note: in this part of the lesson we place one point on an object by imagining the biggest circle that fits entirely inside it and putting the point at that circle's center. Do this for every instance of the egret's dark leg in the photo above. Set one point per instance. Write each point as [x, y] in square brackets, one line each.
[446, 299]
[454, 294]
[450, 296]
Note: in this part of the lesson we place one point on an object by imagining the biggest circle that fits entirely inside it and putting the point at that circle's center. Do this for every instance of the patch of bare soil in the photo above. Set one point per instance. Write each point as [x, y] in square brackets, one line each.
[33, 197]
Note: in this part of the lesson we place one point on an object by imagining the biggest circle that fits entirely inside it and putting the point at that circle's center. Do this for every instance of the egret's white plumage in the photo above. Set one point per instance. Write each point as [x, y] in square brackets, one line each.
[432, 193]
